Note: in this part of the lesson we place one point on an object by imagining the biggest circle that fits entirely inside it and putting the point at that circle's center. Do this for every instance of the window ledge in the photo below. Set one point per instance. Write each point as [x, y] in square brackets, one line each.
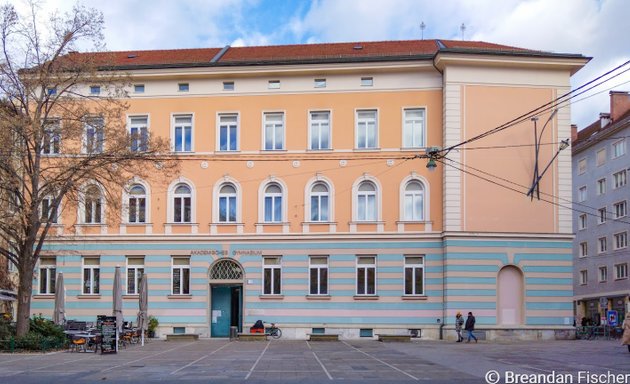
[367, 149]
[414, 297]
[90, 225]
[136, 296]
[227, 223]
[136, 224]
[273, 150]
[225, 152]
[273, 223]
[319, 222]
[318, 297]
[366, 297]
[43, 296]
[271, 297]
[90, 297]
[181, 224]
[319, 150]
[179, 297]
[414, 222]
[367, 222]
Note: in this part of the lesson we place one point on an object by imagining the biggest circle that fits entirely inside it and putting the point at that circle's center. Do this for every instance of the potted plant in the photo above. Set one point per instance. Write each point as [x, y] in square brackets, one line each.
[153, 324]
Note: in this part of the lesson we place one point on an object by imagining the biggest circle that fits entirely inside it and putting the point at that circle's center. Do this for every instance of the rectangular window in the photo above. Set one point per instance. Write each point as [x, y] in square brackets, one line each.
[603, 274]
[583, 277]
[601, 157]
[318, 271]
[183, 87]
[320, 130]
[319, 83]
[582, 194]
[621, 271]
[414, 275]
[95, 90]
[228, 85]
[138, 88]
[51, 141]
[367, 129]
[583, 249]
[601, 216]
[274, 130]
[367, 81]
[183, 132]
[366, 275]
[91, 275]
[582, 221]
[413, 128]
[621, 209]
[93, 135]
[180, 275]
[602, 245]
[272, 275]
[47, 212]
[273, 84]
[51, 91]
[620, 179]
[601, 186]
[618, 148]
[581, 166]
[47, 275]
[135, 270]
[228, 132]
[621, 240]
[139, 133]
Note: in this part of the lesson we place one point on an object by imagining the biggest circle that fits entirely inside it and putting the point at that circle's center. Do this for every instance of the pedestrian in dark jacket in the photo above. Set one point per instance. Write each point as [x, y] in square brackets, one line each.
[470, 327]
[459, 323]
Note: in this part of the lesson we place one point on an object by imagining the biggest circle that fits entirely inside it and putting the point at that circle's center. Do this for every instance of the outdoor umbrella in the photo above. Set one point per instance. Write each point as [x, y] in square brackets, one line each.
[59, 316]
[118, 304]
[143, 318]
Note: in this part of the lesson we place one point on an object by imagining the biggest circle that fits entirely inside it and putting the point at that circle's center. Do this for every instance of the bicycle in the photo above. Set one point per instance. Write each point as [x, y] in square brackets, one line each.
[274, 331]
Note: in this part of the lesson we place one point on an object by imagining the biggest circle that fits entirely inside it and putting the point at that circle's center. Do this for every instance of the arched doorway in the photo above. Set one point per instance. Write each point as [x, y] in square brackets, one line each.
[226, 297]
[510, 289]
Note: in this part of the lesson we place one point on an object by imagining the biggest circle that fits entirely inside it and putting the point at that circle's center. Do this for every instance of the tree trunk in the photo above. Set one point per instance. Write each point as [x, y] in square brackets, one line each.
[25, 290]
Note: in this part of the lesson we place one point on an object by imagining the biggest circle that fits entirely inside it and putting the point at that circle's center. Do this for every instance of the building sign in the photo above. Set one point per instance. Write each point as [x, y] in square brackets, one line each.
[612, 318]
[107, 326]
[603, 302]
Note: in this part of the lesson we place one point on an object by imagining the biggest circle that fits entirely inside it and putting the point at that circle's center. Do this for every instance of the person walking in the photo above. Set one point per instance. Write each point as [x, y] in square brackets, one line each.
[470, 327]
[625, 340]
[459, 323]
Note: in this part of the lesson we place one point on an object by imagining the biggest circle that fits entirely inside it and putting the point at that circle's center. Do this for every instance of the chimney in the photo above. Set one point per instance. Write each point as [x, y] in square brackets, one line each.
[619, 104]
[573, 133]
[604, 118]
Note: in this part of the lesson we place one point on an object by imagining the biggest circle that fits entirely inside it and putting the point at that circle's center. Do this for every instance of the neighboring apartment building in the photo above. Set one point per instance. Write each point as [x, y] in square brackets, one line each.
[300, 201]
[601, 164]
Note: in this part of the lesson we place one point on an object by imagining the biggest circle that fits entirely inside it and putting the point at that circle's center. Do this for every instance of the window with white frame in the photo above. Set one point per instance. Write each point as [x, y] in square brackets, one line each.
[320, 130]
[95, 90]
[93, 205]
[618, 148]
[601, 216]
[138, 88]
[273, 203]
[414, 275]
[582, 221]
[51, 140]
[139, 133]
[137, 204]
[273, 125]
[48, 211]
[366, 202]
[583, 249]
[182, 133]
[319, 83]
[582, 194]
[183, 87]
[319, 202]
[47, 275]
[414, 201]
[91, 275]
[583, 277]
[367, 81]
[272, 275]
[227, 203]
[228, 132]
[621, 271]
[603, 274]
[367, 129]
[600, 157]
[620, 179]
[228, 85]
[602, 245]
[581, 166]
[414, 130]
[621, 209]
[135, 270]
[621, 240]
[182, 203]
[180, 275]
[273, 84]
[366, 275]
[318, 275]
[601, 186]
[93, 135]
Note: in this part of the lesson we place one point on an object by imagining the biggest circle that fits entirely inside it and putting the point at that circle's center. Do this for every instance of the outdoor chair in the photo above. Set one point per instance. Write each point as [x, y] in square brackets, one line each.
[78, 344]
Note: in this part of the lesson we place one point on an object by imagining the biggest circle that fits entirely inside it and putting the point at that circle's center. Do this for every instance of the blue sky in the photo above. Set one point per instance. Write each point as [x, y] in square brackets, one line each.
[597, 28]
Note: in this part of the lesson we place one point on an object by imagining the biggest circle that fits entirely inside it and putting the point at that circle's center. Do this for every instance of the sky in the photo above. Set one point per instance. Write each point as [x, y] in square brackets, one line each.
[593, 28]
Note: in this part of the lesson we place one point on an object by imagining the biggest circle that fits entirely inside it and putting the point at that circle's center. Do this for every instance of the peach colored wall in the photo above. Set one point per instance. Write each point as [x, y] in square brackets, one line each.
[488, 207]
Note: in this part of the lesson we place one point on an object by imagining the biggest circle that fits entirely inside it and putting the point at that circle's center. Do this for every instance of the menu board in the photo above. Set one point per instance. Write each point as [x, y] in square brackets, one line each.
[107, 325]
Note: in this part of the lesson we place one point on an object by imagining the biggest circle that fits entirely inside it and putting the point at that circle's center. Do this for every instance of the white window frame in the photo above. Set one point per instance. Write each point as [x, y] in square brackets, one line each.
[582, 194]
[94, 276]
[582, 166]
[44, 210]
[363, 212]
[618, 148]
[621, 271]
[47, 275]
[229, 86]
[620, 240]
[95, 90]
[181, 268]
[83, 206]
[228, 197]
[319, 82]
[602, 244]
[183, 87]
[601, 215]
[584, 277]
[319, 196]
[583, 248]
[316, 127]
[273, 264]
[414, 268]
[322, 272]
[179, 201]
[273, 84]
[51, 139]
[138, 88]
[127, 202]
[93, 135]
[582, 221]
[362, 124]
[229, 125]
[307, 198]
[355, 199]
[364, 268]
[171, 200]
[411, 125]
[183, 126]
[601, 186]
[274, 203]
[136, 269]
[367, 81]
[621, 209]
[600, 157]
[413, 195]
[620, 179]
[602, 274]
[141, 141]
[274, 126]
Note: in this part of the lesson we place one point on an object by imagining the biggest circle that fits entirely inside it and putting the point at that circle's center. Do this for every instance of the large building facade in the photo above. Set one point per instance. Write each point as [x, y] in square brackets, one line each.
[301, 199]
[601, 197]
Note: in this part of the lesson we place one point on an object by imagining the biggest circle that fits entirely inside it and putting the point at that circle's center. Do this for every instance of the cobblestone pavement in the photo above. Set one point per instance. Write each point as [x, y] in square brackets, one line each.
[222, 361]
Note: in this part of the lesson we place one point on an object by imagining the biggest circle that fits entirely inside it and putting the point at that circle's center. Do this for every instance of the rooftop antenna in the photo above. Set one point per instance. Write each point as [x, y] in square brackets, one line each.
[463, 29]
[422, 27]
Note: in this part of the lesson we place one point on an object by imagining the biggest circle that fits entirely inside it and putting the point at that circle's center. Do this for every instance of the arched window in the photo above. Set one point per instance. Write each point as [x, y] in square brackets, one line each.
[319, 202]
[182, 204]
[366, 202]
[93, 205]
[137, 204]
[227, 204]
[414, 201]
[273, 203]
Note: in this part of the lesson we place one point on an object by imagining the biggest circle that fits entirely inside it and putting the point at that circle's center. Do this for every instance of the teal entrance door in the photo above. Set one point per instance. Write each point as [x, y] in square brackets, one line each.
[225, 310]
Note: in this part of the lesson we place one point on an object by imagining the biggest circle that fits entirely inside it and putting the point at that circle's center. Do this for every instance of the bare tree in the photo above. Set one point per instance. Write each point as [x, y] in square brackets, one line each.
[62, 125]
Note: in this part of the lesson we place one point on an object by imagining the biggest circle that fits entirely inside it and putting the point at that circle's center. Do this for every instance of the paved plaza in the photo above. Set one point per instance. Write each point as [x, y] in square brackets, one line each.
[224, 361]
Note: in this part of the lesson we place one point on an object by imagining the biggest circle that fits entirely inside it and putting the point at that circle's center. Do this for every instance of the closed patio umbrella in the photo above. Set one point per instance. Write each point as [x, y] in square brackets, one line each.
[143, 318]
[118, 305]
[59, 315]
